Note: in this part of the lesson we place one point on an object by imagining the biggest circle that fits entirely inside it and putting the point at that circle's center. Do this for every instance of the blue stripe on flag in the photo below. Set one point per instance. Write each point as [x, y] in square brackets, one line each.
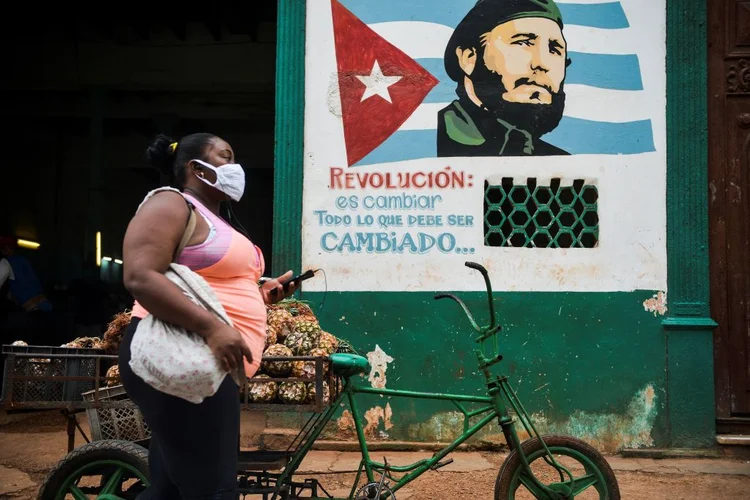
[607, 71]
[597, 15]
[574, 135]
[578, 136]
[608, 15]
[403, 145]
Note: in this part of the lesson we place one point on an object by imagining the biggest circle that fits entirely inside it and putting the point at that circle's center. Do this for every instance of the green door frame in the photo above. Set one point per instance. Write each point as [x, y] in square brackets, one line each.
[688, 326]
[289, 136]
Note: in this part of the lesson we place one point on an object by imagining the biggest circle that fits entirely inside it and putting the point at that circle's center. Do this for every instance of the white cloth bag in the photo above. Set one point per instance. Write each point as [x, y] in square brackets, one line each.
[172, 360]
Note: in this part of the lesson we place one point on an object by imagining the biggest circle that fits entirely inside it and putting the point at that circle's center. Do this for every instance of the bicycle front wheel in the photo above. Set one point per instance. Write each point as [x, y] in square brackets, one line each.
[593, 478]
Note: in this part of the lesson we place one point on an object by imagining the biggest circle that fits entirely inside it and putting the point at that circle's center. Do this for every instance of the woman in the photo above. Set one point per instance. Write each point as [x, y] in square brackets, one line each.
[193, 450]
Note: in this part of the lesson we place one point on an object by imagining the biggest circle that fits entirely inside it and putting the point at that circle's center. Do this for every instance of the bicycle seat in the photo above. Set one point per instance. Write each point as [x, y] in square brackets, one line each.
[347, 365]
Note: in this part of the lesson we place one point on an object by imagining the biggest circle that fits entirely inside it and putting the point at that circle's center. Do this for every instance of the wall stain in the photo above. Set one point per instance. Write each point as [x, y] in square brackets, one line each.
[656, 304]
[373, 416]
[609, 432]
[345, 428]
[345, 424]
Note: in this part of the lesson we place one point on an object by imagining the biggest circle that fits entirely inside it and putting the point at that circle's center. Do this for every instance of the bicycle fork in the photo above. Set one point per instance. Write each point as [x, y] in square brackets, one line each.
[498, 391]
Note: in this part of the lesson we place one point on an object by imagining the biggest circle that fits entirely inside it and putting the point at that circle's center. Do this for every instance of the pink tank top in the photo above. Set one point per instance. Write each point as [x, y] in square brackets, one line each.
[232, 265]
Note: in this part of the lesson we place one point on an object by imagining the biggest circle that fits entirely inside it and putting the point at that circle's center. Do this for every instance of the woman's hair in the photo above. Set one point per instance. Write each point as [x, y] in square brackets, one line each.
[171, 157]
[172, 160]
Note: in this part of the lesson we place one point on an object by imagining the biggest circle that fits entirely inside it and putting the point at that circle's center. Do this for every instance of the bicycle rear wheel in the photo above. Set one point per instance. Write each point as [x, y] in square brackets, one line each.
[101, 469]
[593, 478]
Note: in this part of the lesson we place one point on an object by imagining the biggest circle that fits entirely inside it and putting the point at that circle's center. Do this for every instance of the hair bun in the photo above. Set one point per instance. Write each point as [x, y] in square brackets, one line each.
[160, 154]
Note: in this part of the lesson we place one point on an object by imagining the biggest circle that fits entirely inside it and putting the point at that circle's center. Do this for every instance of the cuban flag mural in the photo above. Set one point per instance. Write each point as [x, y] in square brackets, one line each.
[398, 47]
[528, 134]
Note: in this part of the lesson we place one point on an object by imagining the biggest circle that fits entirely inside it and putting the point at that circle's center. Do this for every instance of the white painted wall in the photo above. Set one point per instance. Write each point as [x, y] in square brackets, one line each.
[632, 188]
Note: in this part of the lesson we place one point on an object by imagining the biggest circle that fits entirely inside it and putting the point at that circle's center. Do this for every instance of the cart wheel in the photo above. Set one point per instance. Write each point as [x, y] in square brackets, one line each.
[108, 470]
[592, 475]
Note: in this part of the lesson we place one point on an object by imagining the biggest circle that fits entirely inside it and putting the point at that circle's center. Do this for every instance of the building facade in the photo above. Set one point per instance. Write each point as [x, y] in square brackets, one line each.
[563, 146]
[593, 156]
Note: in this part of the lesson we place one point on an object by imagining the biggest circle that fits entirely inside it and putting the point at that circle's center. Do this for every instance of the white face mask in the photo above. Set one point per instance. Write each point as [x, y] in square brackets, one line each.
[230, 179]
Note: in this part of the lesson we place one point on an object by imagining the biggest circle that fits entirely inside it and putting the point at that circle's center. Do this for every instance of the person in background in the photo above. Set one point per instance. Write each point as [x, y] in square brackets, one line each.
[194, 447]
[32, 321]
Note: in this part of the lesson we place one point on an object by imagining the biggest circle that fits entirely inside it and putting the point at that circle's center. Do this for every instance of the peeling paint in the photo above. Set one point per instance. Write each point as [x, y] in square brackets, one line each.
[333, 95]
[379, 362]
[345, 427]
[608, 432]
[441, 427]
[345, 424]
[656, 304]
[373, 416]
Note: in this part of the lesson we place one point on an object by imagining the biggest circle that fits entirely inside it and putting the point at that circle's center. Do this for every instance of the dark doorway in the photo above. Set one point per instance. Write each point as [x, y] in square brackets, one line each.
[82, 101]
[729, 175]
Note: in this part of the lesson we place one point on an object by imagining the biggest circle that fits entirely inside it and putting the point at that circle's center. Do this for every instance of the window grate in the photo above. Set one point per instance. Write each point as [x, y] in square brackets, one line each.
[535, 216]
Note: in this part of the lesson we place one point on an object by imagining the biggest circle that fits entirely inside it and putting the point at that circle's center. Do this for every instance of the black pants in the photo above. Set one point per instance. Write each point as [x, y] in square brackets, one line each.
[194, 448]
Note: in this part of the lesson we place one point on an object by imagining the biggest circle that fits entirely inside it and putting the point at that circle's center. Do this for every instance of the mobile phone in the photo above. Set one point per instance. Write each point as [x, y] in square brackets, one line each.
[297, 279]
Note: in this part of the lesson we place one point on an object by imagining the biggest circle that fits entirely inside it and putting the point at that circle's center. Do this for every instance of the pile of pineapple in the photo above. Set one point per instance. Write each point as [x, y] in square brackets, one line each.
[113, 372]
[293, 330]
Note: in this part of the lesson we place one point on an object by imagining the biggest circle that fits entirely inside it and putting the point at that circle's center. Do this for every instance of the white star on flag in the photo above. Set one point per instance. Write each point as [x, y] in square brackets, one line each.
[377, 83]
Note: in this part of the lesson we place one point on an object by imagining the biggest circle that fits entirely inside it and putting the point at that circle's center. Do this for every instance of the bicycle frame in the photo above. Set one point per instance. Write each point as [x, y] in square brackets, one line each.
[499, 392]
[492, 407]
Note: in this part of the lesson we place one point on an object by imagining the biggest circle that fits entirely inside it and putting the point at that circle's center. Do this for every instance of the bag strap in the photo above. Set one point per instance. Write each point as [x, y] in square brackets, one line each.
[189, 230]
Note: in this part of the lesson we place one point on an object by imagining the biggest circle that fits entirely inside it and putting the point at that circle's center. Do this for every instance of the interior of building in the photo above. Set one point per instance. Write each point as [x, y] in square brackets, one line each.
[82, 101]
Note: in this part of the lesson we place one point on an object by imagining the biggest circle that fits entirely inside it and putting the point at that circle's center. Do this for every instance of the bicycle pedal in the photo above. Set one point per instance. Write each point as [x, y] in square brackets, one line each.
[440, 465]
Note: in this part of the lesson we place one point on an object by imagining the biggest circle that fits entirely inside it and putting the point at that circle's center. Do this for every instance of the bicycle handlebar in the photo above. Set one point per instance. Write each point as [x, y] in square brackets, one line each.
[485, 274]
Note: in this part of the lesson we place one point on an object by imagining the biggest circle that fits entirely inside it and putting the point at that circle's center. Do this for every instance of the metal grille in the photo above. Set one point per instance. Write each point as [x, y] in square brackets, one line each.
[529, 215]
[125, 424]
[37, 390]
[120, 420]
[41, 368]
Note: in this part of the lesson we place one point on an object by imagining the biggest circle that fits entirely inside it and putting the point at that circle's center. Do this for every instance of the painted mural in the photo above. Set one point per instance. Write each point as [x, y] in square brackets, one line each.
[528, 135]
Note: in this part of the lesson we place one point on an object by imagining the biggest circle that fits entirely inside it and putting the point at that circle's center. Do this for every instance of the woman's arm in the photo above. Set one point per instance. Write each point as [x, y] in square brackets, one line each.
[148, 248]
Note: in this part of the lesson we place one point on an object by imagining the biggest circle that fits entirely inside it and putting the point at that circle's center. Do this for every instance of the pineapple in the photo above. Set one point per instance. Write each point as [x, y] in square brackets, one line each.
[304, 337]
[293, 392]
[115, 331]
[311, 393]
[262, 391]
[271, 336]
[328, 342]
[85, 343]
[280, 321]
[113, 375]
[306, 369]
[277, 368]
[297, 308]
[303, 369]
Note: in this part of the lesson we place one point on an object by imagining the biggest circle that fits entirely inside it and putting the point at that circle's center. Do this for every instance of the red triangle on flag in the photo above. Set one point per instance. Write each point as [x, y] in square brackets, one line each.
[380, 86]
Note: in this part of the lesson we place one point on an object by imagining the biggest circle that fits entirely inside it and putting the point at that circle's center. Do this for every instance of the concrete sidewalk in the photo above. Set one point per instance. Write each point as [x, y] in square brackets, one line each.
[345, 462]
[18, 484]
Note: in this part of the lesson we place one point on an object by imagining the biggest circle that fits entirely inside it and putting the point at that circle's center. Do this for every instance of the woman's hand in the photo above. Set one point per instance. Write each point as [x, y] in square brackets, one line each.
[228, 346]
[276, 284]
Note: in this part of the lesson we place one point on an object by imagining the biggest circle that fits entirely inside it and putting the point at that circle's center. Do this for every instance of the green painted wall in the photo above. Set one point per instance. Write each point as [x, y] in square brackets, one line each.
[577, 360]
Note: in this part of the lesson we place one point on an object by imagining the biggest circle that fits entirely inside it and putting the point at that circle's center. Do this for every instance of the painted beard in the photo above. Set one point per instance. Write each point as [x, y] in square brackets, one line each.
[536, 119]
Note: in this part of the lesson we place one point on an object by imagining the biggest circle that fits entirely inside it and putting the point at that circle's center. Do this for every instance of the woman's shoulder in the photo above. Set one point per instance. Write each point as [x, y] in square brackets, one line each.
[165, 195]
[166, 203]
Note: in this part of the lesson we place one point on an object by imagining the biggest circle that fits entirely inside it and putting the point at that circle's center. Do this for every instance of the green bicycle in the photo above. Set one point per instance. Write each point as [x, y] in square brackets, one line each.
[533, 467]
